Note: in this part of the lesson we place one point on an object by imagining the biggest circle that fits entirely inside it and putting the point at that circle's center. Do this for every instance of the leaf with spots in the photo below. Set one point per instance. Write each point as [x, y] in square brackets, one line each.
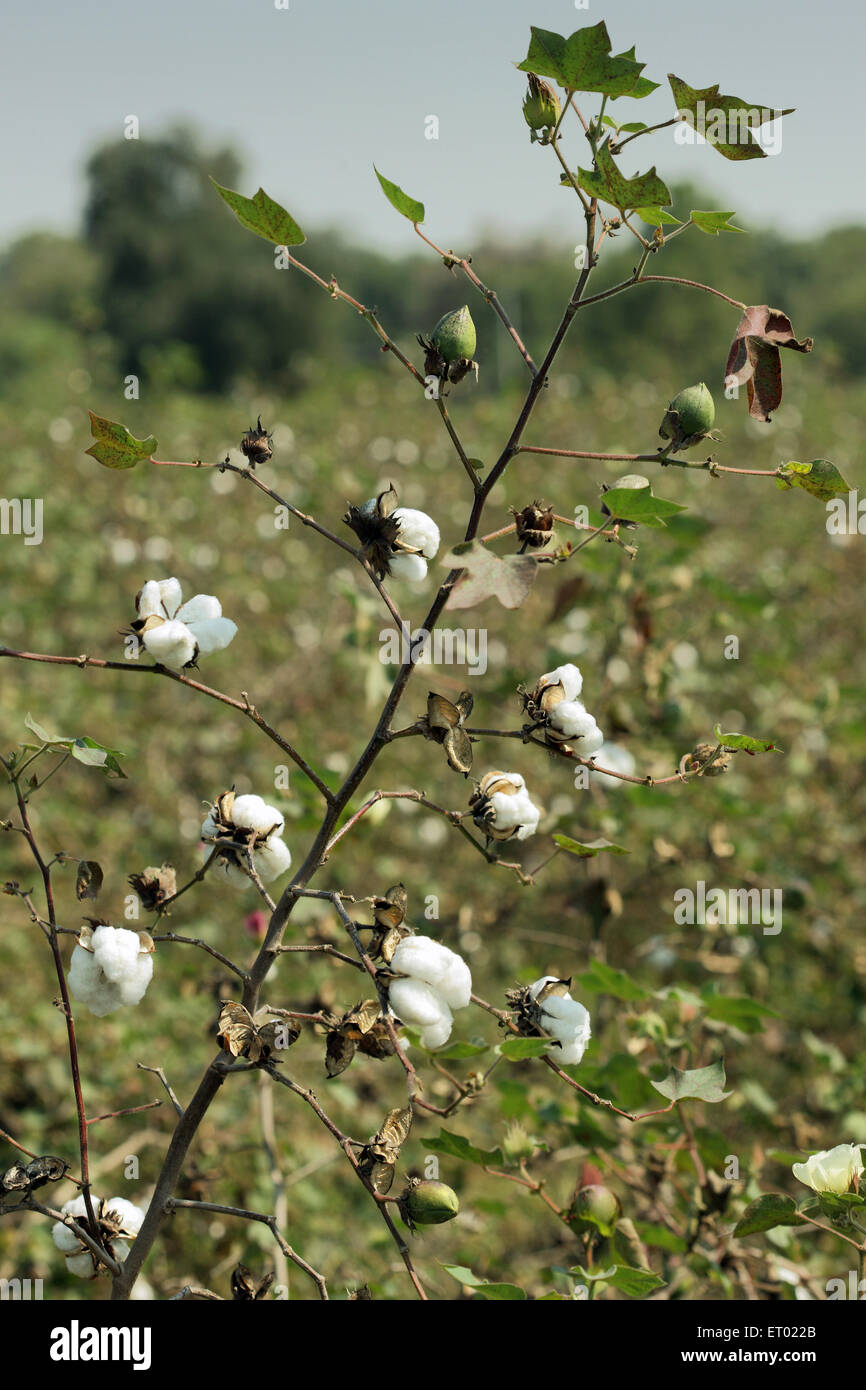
[754, 360]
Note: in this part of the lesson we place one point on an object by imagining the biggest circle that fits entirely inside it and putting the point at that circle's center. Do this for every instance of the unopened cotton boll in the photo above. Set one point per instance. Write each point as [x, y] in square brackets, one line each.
[114, 973]
[430, 961]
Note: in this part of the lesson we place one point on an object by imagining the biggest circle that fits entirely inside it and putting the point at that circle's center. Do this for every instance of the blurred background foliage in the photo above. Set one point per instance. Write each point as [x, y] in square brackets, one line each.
[163, 284]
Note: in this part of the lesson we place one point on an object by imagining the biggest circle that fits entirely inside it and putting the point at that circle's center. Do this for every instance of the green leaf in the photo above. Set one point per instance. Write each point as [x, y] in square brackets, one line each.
[820, 478]
[725, 122]
[115, 447]
[584, 63]
[456, 1146]
[660, 1237]
[744, 742]
[704, 1083]
[639, 504]
[739, 1011]
[604, 979]
[766, 1212]
[636, 1283]
[495, 1292]
[409, 207]
[86, 750]
[839, 1205]
[657, 217]
[260, 214]
[610, 184]
[518, 1049]
[590, 849]
[714, 222]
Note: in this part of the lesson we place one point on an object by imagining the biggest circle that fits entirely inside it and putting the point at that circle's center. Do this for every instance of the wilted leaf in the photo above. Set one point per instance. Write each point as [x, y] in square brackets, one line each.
[773, 1209]
[590, 849]
[584, 63]
[409, 207]
[339, 1051]
[703, 1083]
[115, 447]
[88, 882]
[260, 214]
[754, 360]
[486, 575]
[732, 134]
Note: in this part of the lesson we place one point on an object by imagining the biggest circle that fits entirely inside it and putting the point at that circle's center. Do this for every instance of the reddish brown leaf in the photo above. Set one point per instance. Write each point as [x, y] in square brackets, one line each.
[754, 360]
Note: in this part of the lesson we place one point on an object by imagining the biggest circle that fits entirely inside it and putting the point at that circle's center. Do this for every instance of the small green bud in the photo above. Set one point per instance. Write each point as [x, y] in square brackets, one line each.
[541, 108]
[454, 336]
[689, 417]
[427, 1203]
[517, 1143]
[595, 1208]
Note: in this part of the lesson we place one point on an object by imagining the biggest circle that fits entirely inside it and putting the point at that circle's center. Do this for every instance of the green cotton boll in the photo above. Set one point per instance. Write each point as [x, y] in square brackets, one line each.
[689, 417]
[541, 107]
[432, 1203]
[454, 336]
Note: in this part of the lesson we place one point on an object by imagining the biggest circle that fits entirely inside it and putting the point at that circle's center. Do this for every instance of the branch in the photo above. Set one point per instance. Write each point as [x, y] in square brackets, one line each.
[177, 1203]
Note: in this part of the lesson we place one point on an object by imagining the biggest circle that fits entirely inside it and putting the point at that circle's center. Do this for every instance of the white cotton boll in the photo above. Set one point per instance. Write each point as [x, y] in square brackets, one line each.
[87, 984]
[200, 609]
[569, 1054]
[213, 634]
[134, 986]
[536, 988]
[63, 1238]
[129, 1215]
[209, 827]
[116, 951]
[113, 974]
[566, 1020]
[564, 1009]
[410, 567]
[418, 1004]
[253, 813]
[170, 643]
[418, 530]
[80, 1265]
[516, 811]
[568, 676]
[430, 961]
[436, 1035]
[590, 743]
[572, 718]
[273, 859]
[162, 596]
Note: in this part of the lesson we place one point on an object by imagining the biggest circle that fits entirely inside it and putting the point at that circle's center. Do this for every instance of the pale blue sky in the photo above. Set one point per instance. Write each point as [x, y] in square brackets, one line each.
[313, 94]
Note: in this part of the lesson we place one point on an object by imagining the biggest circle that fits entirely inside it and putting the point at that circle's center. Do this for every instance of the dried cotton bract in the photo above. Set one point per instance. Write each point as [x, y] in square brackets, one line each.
[437, 982]
[240, 825]
[175, 633]
[110, 967]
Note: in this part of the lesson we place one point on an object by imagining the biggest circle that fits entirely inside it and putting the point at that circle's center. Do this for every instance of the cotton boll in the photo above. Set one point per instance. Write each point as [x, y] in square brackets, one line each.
[171, 644]
[80, 1265]
[114, 973]
[272, 859]
[417, 530]
[572, 719]
[116, 951]
[569, 1054]
[536, 988]
[129, 1215]
[428, 960]
[162, 596]
[213, 634]
[436, 1035]
[590, 743]
[410, 567]
[253, 813]
[417, 1004]
[200, 609]
[568, 676]
[134, 986]
[518, 811]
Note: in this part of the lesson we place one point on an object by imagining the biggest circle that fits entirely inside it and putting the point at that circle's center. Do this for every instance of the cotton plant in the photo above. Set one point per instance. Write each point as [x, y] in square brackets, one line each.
[119, 1222]
[175, 633]
[111, 967]
[502, 807]
[394, 540]
[236, 826]
[553, 702]
[437, 982]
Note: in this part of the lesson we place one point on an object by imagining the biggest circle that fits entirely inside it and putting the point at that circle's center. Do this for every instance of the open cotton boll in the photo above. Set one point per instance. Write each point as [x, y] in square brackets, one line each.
[129, 1215]
[572, 719]
[272, 859]
[566, 1020]
[589, 743]
[430, 961]
[421, 1006]
[80, 1265]
[437, 1034]
[63, 1237]
[417, 530]
[253, 813]
[170, 643]
[410, 567]
[113, 974]
[515, 811]
[160, 596]
[568, 676]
